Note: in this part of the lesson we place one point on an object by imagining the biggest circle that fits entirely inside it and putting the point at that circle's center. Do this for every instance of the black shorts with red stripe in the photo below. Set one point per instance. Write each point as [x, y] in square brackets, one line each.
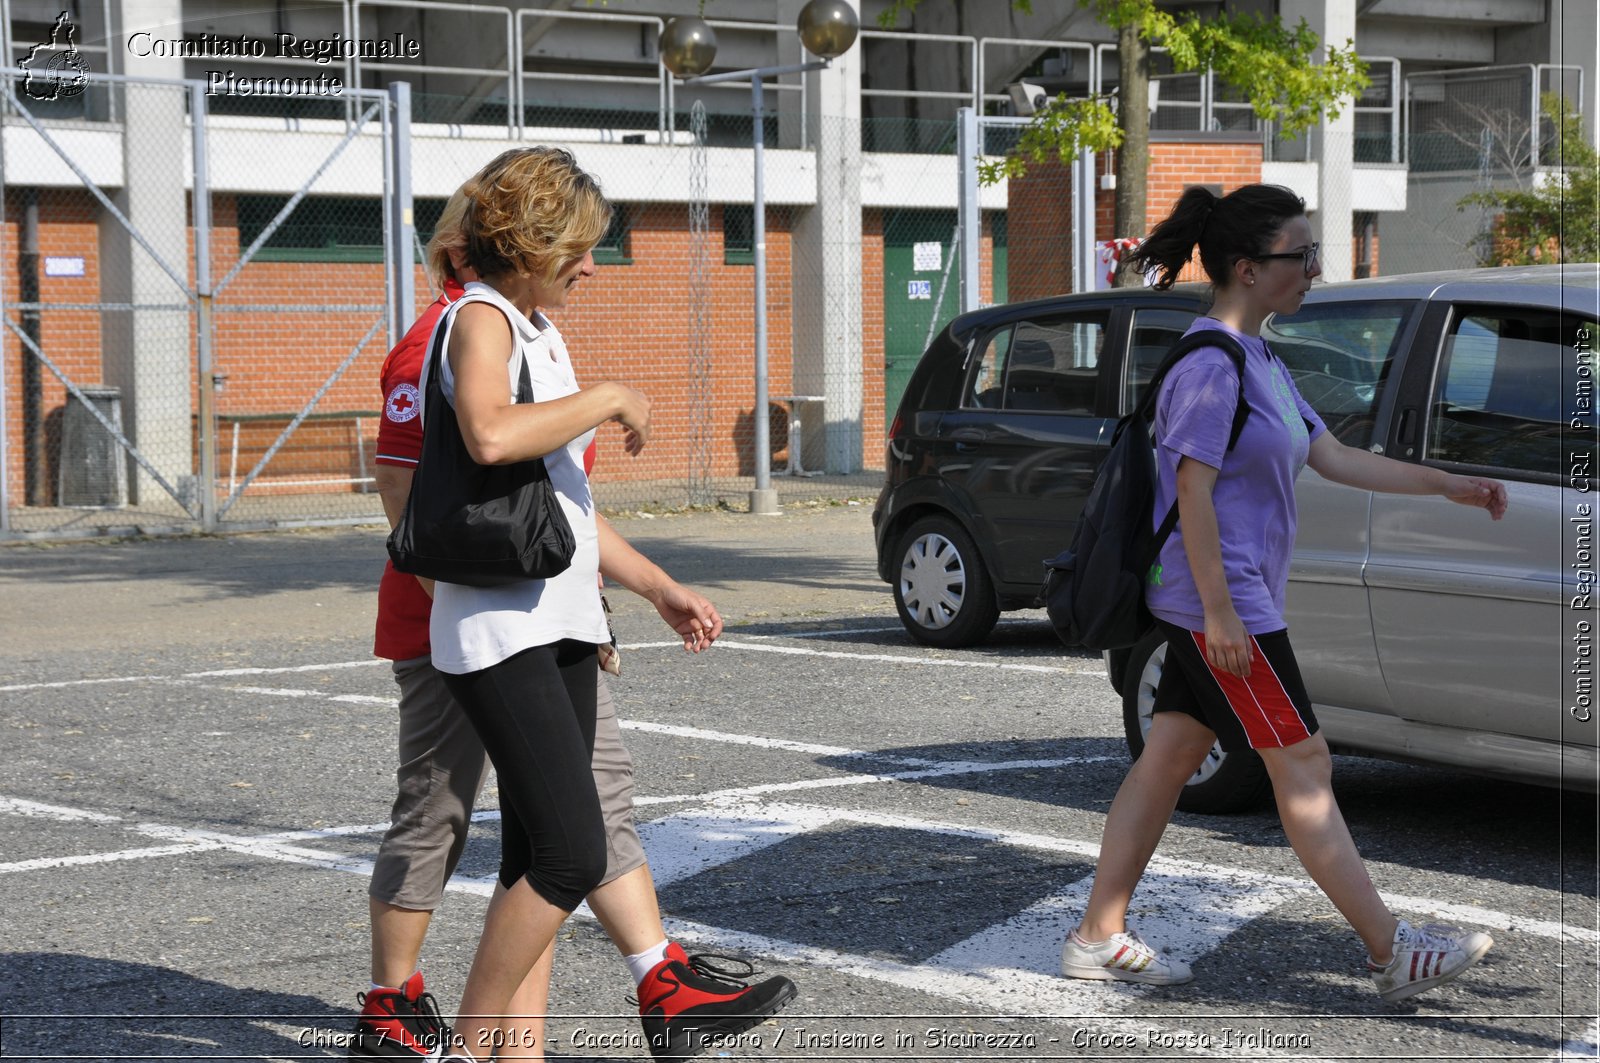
[1269, 709]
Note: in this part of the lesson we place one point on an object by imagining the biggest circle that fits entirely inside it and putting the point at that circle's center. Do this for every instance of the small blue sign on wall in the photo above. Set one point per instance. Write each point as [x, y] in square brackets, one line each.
[919, 289]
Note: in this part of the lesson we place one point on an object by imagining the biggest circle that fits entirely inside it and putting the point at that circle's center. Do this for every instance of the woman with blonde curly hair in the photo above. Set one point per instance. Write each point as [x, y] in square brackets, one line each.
[520, 659]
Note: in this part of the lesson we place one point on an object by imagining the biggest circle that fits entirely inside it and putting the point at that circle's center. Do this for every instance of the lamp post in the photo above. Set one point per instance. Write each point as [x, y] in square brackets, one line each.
[688, 45]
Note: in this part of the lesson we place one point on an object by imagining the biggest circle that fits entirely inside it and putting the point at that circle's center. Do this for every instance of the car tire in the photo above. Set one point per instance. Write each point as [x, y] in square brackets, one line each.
[1226, 782]
[941, 587]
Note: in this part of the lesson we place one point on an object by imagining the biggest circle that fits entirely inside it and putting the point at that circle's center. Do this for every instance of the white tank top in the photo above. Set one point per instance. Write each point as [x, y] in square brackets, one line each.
[474, 627]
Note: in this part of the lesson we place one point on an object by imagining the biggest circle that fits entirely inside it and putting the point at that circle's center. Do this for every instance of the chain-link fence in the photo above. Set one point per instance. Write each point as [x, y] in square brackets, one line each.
[99, 312]
[190, 334]
[153, 381]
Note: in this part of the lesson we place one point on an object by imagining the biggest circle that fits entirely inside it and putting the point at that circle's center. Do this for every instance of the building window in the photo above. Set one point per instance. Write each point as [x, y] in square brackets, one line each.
[738, 234]
[614, 248]
[325, 228]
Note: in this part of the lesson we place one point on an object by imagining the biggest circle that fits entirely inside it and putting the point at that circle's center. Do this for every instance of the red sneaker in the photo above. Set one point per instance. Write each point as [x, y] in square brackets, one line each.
[688, 1003]
[400, 1023]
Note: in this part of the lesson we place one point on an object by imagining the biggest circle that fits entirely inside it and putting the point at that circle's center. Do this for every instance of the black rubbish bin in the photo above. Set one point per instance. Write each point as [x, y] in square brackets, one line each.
[94, 472]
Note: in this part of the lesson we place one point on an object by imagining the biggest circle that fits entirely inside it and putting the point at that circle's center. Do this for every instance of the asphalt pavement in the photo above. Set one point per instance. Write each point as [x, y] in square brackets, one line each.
[199, 760]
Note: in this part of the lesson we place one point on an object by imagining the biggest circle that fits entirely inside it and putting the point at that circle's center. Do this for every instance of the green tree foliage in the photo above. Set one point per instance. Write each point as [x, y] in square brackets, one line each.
[1273, 65]
[1557, 220]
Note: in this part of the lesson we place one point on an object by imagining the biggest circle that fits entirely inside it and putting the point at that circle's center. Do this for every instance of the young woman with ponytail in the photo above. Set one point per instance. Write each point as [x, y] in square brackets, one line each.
[1230, 673]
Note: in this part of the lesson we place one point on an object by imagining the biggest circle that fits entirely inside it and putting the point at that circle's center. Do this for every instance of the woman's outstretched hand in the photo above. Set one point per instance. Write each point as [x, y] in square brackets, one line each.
[1477, 491]
[690, 614]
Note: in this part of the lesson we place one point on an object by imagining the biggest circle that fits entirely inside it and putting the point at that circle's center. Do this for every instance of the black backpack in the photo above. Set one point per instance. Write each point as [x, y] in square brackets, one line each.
[1094, 592]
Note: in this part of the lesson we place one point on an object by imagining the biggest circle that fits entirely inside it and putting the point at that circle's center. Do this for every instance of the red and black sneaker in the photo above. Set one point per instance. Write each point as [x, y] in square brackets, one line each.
[400, 1023]
[688, 1003]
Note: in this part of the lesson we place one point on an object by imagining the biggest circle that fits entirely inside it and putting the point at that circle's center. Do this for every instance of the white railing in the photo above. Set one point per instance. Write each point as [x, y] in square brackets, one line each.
[1453, 79]
[972, 96]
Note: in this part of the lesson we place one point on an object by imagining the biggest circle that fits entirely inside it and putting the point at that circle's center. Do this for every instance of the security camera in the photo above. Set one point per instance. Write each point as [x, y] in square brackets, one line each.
[1027, 97]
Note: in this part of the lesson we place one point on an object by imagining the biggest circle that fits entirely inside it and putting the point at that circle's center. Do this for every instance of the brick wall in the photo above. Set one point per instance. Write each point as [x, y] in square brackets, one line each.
[1039, 228]
[874, 430]
[629, 322]
[70, 338]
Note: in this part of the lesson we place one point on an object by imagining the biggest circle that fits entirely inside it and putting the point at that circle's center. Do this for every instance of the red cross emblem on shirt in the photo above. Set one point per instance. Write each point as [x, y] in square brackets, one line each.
[402, 404]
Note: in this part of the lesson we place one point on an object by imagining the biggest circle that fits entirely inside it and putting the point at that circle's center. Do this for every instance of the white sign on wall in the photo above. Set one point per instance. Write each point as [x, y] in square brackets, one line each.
[919, 289]
[927, 255]
[63, 266]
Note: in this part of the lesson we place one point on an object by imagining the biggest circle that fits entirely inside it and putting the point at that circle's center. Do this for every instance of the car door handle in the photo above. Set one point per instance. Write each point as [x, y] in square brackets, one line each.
[968, 438]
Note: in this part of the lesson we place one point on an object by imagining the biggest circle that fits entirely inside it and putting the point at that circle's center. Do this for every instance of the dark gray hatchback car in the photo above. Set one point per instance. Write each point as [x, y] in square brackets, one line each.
[1424, 632]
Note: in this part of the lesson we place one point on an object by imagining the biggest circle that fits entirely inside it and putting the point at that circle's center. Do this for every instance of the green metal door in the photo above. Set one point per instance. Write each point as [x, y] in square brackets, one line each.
[921, 291]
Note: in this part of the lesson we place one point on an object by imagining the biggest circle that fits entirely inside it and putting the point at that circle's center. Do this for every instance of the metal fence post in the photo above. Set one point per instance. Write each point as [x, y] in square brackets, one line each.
[402, 224]
[969, 218]
[1083, 212]
[204, 339]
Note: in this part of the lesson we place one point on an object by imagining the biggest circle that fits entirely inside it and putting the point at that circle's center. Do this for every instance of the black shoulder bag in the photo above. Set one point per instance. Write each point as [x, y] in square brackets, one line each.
[477, 525]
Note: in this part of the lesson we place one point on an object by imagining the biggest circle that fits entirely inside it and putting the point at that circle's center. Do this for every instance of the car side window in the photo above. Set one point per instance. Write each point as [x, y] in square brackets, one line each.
[983, 390]
[1152, 336]
[1339, 355]
[1497, 393]
[1046, 365]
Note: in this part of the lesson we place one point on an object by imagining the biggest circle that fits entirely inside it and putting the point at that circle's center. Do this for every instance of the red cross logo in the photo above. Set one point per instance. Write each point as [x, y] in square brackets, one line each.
[403, 403]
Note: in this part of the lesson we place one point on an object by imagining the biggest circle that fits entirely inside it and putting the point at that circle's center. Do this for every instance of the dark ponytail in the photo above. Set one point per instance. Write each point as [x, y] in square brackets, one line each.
[1241, 224]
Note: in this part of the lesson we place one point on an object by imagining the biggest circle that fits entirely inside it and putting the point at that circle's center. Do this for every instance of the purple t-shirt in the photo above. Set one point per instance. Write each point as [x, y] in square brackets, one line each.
[1254, 494]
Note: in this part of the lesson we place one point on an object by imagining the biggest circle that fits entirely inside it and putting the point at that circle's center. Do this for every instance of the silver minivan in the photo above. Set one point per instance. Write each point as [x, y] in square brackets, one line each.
[1425, 631]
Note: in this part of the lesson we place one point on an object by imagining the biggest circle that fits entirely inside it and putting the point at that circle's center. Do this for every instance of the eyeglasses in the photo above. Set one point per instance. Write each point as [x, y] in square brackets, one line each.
[1309, 257]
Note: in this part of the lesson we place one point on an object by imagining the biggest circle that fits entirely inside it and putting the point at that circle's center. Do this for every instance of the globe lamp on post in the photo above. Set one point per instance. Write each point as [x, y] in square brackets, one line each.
[687, 46]
[828, 28]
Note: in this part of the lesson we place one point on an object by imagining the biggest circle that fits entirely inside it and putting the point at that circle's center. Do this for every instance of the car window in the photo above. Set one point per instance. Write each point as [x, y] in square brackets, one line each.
[983, 391]
[1339, 355]
[1052, 364]
[1497, 397]
[1153, 334]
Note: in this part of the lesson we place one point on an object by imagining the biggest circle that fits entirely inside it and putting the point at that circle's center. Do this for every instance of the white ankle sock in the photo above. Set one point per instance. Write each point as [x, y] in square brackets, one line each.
[642, 963]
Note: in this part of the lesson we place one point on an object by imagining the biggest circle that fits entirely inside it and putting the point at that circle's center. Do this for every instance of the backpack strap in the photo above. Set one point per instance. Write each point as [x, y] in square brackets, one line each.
[1193, 341]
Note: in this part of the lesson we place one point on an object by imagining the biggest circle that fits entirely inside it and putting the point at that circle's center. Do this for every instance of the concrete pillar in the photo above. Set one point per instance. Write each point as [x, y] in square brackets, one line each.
[148, 353]
[827, 268]
[1334, 23]
[1575, 41]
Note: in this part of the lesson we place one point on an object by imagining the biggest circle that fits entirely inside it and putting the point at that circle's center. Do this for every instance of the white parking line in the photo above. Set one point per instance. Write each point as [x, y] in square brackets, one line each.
[223, 673]
[967, 767]
[1585, 1046]
[725, 643]
[34, 810]
[45, 863]
[1008, 967]
[890, 658]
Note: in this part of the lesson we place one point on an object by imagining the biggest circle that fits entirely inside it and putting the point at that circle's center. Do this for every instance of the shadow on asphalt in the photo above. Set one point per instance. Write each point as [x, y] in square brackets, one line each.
[1022, 634]
[116, 1009]
[227, 566]
[1508, 832]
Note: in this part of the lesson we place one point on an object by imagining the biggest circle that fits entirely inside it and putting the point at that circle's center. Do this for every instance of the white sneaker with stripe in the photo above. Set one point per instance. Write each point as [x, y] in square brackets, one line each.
[1123, 957]
[1425, 957]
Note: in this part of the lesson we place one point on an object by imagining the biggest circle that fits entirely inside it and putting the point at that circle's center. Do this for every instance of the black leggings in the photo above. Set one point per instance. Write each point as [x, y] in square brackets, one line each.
[535, 712]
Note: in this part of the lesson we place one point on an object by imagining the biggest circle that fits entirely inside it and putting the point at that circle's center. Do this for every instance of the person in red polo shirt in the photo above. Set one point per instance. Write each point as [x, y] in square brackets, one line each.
[442, 769]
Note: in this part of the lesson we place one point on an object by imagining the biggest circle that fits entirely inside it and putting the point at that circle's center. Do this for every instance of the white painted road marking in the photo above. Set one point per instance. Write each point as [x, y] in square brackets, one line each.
[34, 810]
[1009, 967]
